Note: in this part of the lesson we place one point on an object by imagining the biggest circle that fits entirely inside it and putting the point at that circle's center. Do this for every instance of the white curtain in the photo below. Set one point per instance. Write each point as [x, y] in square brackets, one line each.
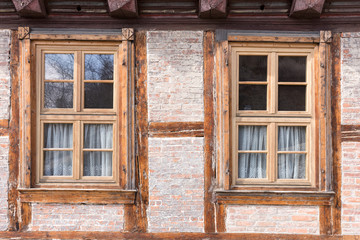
[98, 136]
[291, 138]
[252, 165]
[58, 135]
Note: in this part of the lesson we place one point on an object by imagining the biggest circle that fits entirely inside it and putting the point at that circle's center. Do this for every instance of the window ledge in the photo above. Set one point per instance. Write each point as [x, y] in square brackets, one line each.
[83, 196]
[253, 197]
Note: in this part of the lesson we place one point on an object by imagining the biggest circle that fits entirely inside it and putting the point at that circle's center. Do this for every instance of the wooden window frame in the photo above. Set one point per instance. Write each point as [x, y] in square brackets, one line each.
[321, 126]
[271, 117]
[121, 188]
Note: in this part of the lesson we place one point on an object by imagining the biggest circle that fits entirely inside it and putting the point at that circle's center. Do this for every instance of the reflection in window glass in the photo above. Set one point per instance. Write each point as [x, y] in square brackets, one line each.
[253, 68]
[59, 66]
[292, 69]
[252, 97]
[98, 95]
[58, 95]
[99, 66]
[292, 98]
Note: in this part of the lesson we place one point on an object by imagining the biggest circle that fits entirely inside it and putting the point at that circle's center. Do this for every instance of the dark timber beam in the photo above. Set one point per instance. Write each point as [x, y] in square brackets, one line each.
[123, 8]
[30, 8]
[212, 8]
[306, 8]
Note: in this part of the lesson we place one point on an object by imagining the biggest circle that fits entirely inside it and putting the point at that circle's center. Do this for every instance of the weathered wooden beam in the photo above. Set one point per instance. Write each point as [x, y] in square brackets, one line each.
[123, 8]
[306, 8]
[212, 8]
[30, 8]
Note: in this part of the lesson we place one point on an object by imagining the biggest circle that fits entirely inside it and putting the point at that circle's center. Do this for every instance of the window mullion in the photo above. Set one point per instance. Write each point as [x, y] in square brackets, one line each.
[77, 149]
[272, 151]
[272, 83]
[78, 82]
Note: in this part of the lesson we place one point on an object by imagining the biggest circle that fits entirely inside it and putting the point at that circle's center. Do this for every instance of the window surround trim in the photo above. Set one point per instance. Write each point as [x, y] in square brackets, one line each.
[126, 188]
[322, 114]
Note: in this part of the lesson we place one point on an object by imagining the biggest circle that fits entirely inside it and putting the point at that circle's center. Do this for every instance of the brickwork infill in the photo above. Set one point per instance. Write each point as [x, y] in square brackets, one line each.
[175, 76]
[176, 185]
[71, 217]
[350, 115]
[273, 219]
[5, 41]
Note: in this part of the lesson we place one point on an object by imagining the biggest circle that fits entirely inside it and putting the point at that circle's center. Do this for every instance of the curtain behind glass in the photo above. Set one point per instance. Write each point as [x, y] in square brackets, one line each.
[98, 136]
[58, 135]
[291, 165]
[252, 165]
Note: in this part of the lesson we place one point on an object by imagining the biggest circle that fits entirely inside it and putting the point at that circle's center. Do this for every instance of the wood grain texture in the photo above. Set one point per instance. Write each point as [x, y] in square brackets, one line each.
[275, 198]
[174, 236]
[350, 133]
[13, 134]
[336, 131]
[176, 129]
[85, 37]
[306, 8]
[213, 8]
[220, 218]
[209, 171]
[94, 196]
[325, 220]
[273, 39]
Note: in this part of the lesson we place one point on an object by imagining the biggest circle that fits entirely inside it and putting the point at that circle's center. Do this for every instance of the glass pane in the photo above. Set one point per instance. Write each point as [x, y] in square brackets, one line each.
[97, 163]
[291, 166]
[292, 98]
[292, 69]
[252, 97]
[253, 68]
[58, 135]
[252, 138]
[99, 66]
[252, 165]
[98, 95]
[292, 138]
[58, 95]
[98, 136]
[58, 163]
[59, 66]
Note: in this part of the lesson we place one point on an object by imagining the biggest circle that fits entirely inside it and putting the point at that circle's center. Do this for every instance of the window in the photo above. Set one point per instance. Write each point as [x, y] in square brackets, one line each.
[272, 114]
[77, 113]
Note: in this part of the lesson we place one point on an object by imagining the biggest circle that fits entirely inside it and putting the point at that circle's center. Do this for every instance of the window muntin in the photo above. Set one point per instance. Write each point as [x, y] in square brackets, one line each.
[281, 102]
[76, 89]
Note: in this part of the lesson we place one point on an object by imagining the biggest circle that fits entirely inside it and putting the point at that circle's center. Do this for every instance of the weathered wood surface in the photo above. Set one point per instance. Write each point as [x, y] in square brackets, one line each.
[306, 8]
[336, 131]
[213, 8]
[209, 130]
[273, 39]
[350, 133]
[30, 8]
[176, 129]
[175, 236]
[123, 8]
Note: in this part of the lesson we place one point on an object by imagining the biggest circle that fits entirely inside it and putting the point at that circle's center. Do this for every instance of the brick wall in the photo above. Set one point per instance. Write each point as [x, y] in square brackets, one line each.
[175, 76]
[4, 114]
[72, 217]
[176, 185]
[350, 115]
[273, 219]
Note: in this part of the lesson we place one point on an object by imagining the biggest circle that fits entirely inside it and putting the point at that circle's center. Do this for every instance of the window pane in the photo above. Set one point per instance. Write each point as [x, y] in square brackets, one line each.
[292, 138]
[252, 138]
[98, 136]
[252, 165]
[58, 135]
[58, 95]
[98, 95]
[291, 166]
[252, 97]
[59, 66]
[253, 68]
[58, 163]
[99, 66]
[292, 98]
[292, 69]
[97, 163]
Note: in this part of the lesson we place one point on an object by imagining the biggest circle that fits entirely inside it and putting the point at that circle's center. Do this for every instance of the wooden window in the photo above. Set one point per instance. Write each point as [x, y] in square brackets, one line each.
[78, 103]
[272, 114]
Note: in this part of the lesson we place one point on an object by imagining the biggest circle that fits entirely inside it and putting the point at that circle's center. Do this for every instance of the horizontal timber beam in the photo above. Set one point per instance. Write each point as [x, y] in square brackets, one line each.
[123, 8]
[213, 8]
[30, 8]
[176, 129]
[306, 8]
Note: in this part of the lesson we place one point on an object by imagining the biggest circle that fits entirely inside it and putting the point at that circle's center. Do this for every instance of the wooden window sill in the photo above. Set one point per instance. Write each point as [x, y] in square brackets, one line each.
[254, 197]
[84, 196]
